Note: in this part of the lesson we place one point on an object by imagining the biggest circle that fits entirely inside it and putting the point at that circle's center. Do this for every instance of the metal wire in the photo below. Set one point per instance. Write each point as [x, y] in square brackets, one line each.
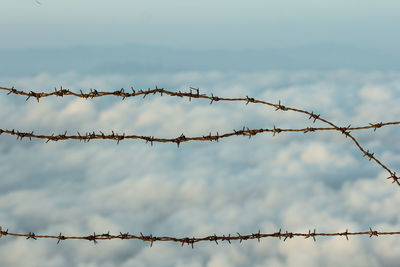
[245, 131]
[195, 93]
[191, 240]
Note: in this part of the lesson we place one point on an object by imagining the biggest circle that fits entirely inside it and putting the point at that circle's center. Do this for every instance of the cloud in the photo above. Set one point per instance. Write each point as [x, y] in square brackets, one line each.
[292, 181]
[375, 94]
[319, 154]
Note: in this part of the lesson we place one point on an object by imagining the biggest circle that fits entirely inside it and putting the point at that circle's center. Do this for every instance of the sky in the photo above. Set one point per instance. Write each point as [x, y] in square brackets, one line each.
[200, 25]
[161, 36]
[338, 59]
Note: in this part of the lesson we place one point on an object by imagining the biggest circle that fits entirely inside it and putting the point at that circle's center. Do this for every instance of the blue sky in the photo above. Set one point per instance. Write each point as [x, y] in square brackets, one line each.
[336, 58]
[200, 25]
[160, 36]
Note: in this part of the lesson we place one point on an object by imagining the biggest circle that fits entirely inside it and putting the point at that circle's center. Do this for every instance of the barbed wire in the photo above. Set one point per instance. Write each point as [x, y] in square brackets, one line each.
[191, 240]
[245, 131]
[122, 93]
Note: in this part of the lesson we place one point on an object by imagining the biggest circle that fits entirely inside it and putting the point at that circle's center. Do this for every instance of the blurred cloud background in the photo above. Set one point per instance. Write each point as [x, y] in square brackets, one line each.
[338, 58]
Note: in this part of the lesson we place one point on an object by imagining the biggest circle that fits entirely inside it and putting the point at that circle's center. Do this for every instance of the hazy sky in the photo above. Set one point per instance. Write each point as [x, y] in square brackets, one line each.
[199, 24]
[335, 58]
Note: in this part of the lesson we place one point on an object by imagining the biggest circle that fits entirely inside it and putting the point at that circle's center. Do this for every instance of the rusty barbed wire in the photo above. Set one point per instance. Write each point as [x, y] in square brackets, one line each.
[245, 131]
[191, 240]
[122, 93]
[182, 138]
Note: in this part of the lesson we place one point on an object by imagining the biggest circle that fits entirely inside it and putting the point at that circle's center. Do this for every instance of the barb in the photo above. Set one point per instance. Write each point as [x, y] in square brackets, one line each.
[191, 240]
[245, 131]
[121, 93]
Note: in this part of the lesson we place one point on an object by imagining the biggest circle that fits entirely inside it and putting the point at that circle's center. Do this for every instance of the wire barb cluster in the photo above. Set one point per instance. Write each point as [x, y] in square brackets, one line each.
[245, 131]
[192, 240]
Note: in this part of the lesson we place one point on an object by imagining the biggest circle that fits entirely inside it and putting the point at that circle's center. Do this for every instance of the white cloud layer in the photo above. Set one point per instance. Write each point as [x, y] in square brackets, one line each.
[291, 181]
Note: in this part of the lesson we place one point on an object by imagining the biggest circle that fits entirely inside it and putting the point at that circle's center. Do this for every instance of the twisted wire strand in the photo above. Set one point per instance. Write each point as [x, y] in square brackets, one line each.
[245, 131]
[191, 240]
